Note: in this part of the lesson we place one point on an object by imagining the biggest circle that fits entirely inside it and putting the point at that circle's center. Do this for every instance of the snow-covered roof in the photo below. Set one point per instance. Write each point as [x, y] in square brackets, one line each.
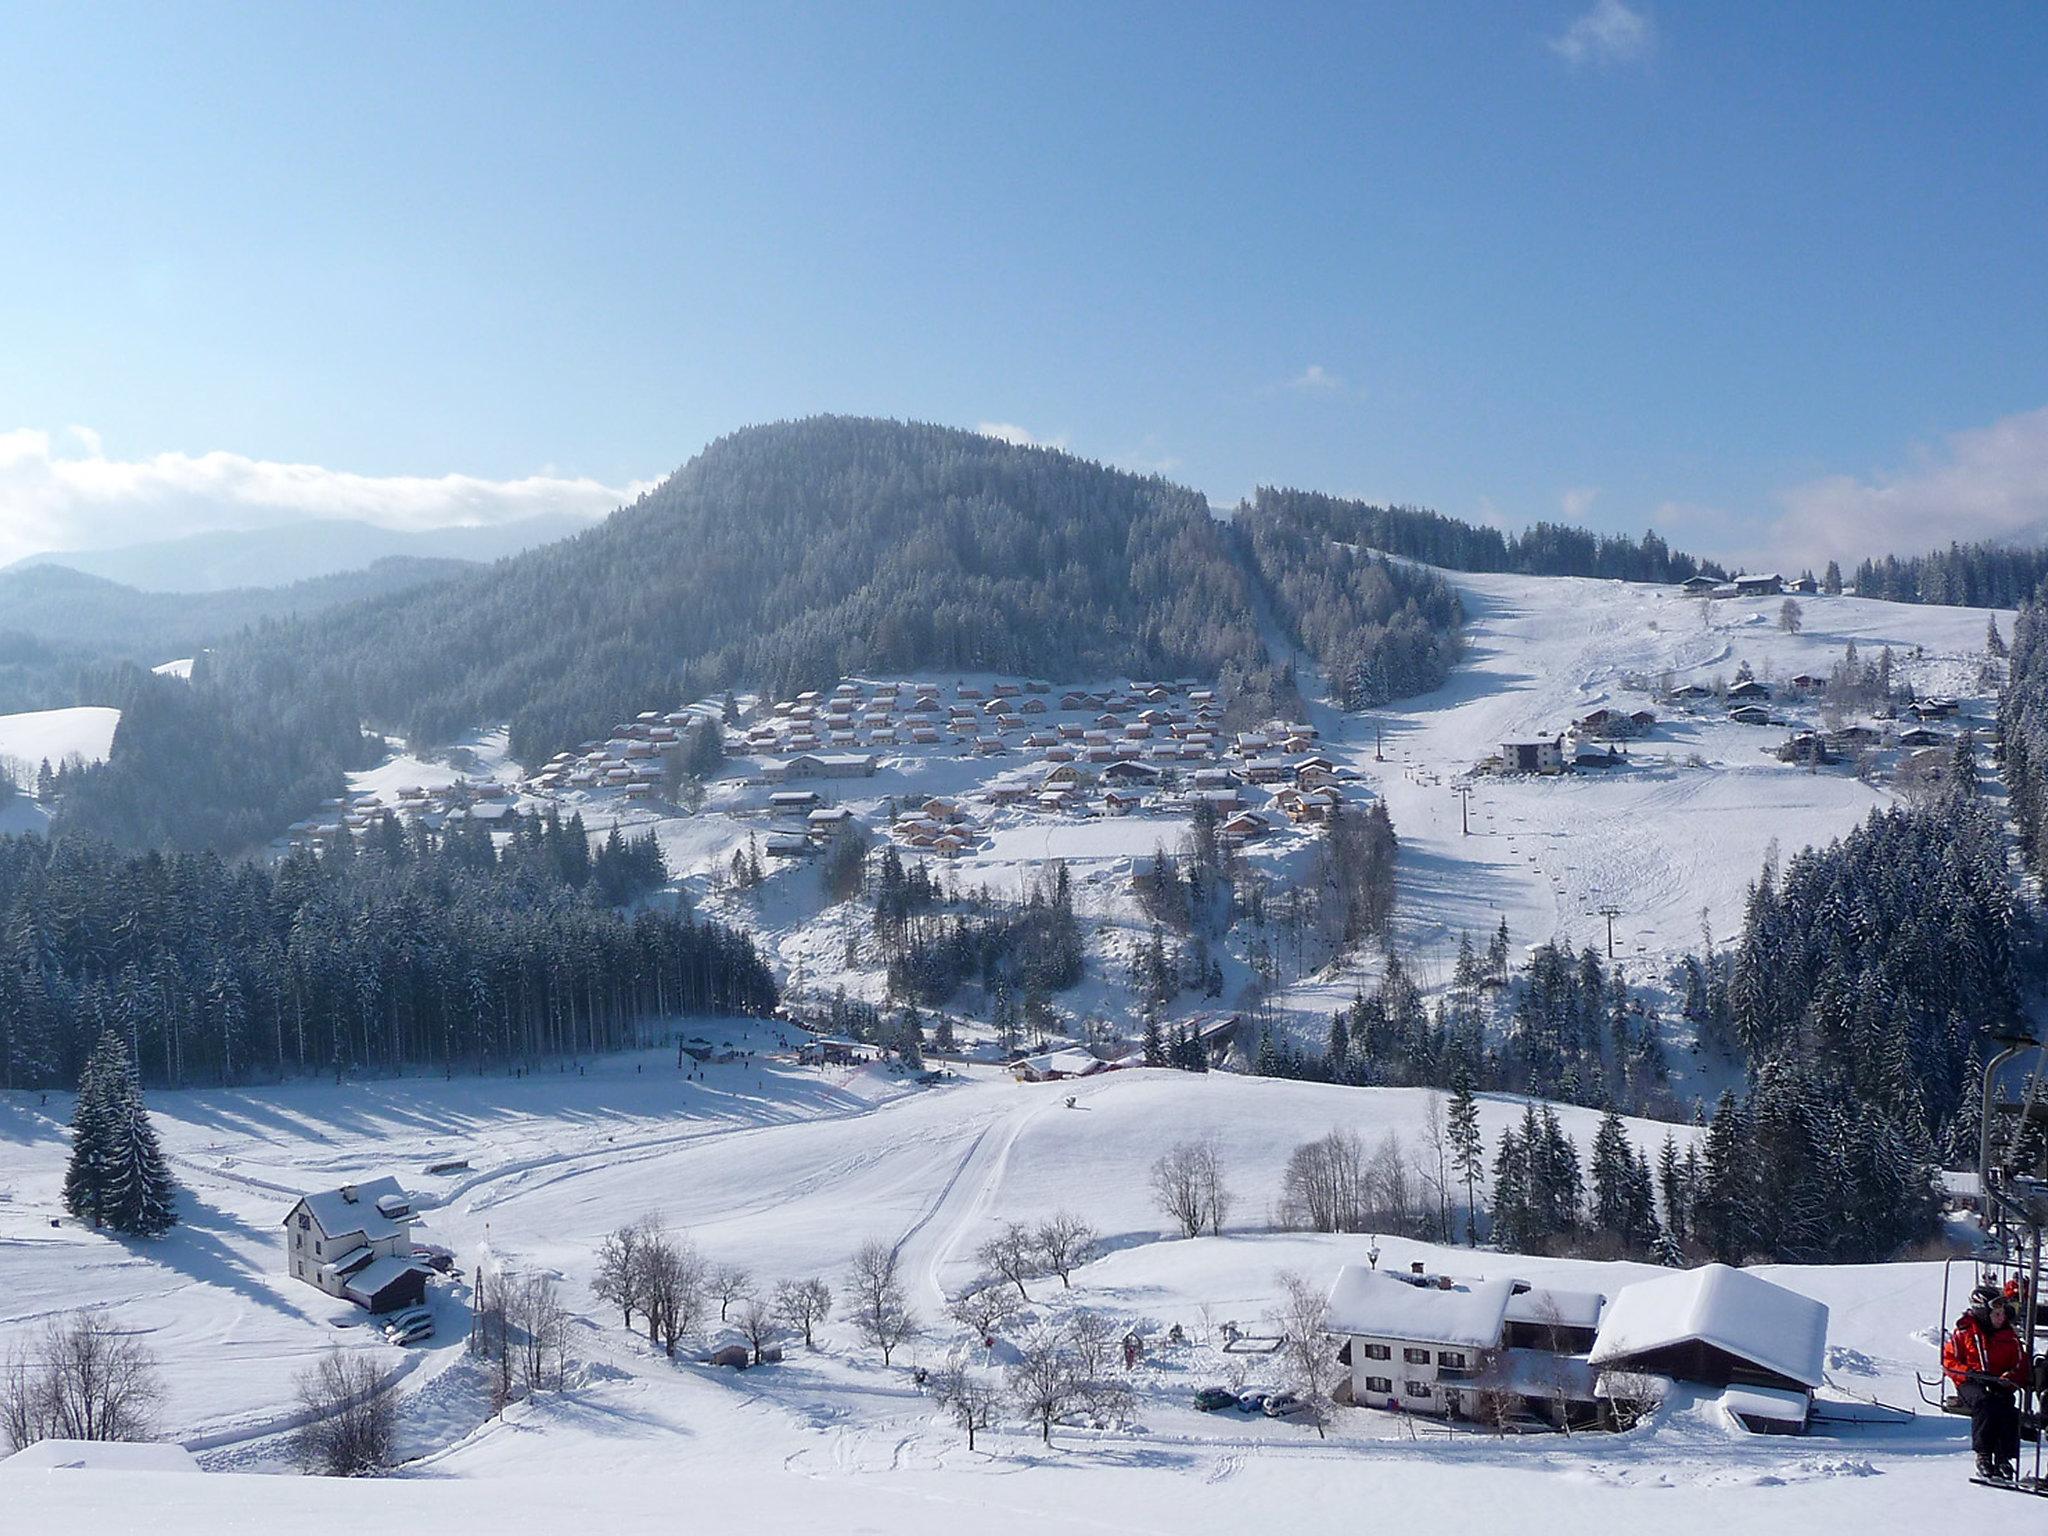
[1730, 1309]
[339, 1215]
[355, 1258]
[102, 1456]
[1370, 1302]
[1070, 1061]
[1556, 1309]
[365, 1284]
[1771, 1404]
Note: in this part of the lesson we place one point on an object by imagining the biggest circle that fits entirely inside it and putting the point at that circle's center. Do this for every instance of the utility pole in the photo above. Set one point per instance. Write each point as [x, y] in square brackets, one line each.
[1465, 807]
[1610, 913]
[1379, 752]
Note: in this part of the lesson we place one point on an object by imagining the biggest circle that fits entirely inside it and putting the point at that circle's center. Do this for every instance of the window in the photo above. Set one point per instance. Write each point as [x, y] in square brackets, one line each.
[1453, 1358]
[1379, 1384]
[299, 1269]
[305, 1222]
[316, 1247]
[1377, 1352]
[1415, 1389]
[1415, 1356]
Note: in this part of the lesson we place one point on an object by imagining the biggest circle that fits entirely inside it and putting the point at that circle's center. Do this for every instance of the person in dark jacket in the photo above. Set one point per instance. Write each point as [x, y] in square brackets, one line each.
[1985, 1360]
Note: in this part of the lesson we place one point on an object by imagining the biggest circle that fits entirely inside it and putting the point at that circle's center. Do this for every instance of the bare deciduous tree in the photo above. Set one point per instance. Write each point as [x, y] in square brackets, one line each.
[350, 1419]
[1011, 1253]
[540, 1325]
[671, 1288]
[618, 1277]
[1065, 1242]
[1041, 1381]
[1324, 1186]
[84, 1379]
[1632, 1397]
[729, 1283]
[1491, 1400]
[758, 1325]
[972, 1402]
[803, 1304]
[1187, 1181]
[1302, 1320]
[1068, 1370]
[984, 1307]
[881, 1313]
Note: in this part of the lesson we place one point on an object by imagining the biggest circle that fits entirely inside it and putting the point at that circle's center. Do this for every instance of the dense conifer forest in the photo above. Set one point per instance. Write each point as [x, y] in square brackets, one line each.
[1381, 631]
[408, 950]
[1546, 549]
[1984, 575]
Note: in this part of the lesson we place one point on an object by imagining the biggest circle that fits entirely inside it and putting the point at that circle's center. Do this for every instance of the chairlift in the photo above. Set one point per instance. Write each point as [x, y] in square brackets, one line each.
[2012, 1195]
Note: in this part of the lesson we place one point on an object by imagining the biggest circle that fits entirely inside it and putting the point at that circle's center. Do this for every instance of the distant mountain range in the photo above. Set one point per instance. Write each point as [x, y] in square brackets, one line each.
[277, 557]
[55, 620]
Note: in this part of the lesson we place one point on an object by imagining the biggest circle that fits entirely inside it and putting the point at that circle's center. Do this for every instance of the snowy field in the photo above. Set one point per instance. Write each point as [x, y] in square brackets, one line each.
[786, 1170]
[28, 740]
[84, 731]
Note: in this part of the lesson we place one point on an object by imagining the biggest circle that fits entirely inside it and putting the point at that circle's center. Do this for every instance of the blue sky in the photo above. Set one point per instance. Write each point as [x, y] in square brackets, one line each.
[1772, 277]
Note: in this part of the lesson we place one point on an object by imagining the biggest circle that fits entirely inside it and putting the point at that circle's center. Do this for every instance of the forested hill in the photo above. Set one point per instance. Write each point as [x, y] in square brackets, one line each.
[1546, 549]
[786, 556]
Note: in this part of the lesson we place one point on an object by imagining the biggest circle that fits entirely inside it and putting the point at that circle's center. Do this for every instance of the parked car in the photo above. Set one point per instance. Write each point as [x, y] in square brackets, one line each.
[1283, 1405]
[1252, 1402]
[1215, 1399]
[409, 1325]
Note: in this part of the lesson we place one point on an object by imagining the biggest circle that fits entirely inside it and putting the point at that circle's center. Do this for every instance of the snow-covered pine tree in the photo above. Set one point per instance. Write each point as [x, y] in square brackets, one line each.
[1613, 1166]
[1468, 1148]
[1725, 1216]
[143, 1198]
[89, 1173]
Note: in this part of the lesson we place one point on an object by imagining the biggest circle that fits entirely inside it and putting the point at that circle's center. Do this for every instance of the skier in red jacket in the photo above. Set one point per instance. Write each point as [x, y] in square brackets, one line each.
[1986, 1361]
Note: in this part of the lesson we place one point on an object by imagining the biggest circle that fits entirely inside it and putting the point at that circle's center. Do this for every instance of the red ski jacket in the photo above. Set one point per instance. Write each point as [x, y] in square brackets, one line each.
[1973, 1348]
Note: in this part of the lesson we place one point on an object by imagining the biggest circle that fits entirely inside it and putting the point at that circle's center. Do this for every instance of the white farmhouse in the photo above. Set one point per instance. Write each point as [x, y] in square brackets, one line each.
[1412, 1337]
[355, 1242]
[1454, 1347]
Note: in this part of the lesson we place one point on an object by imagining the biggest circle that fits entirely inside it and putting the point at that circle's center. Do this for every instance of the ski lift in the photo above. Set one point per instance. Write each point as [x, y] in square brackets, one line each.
[2012, 1193]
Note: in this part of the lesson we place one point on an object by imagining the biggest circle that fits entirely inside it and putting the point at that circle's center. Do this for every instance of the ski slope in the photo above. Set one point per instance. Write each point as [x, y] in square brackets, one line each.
[1687, 825]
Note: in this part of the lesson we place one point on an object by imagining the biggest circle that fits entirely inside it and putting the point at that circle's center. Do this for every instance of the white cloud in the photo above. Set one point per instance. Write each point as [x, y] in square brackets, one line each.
[1022, 437]
[58, 501]
[1982, 483]
[1149, 457]
[1609, 33]
[1315, 378]
[1576, 501]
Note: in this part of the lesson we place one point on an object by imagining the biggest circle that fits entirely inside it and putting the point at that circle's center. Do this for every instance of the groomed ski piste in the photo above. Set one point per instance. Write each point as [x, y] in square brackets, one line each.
[786, 1169]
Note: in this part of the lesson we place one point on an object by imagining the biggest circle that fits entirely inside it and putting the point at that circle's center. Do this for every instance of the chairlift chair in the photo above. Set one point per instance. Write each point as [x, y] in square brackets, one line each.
[2012, 1180]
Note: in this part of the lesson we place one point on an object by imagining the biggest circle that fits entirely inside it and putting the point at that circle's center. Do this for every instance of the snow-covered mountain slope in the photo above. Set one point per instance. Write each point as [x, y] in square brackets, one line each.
[1674, 831]
[786, 1170]
[1686, 825]
[84, 731]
